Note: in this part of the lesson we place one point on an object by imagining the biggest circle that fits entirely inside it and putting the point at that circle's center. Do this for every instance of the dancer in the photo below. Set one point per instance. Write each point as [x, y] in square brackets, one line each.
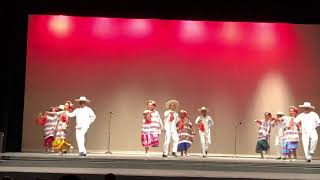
[60, 142]
[49, 123]
[170, 121]
[151, 128]
[204, 123]
[264, 133]
[84, 118]
[186, 133]
[291, 134]
[147, 134]
[309, 121]
[279, 139]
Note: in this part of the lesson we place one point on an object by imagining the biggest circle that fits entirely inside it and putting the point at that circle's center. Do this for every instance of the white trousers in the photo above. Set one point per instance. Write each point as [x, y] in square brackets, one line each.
[205, 140]
[309, 141]
[175, 139]
[80, 136]
[278, 145]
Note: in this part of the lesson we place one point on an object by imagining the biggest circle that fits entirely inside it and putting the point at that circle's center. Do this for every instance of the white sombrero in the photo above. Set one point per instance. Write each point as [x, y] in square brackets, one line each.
[203, 108]
[82, 99]
[61, 107]
[175, 102]
[280, 113]
[307, 105]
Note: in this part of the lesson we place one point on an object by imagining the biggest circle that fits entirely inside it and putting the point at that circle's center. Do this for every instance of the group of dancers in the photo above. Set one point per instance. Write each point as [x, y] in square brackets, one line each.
[180, 130]
[289, 128]
[55, 123]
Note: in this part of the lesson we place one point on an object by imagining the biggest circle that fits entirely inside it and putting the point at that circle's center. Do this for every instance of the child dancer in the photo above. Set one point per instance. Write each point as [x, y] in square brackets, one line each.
[151, 128]
[204, 124]
[147, 138]
[186, 133]
[60, 143]
[279, 139]
[170, 121]
[291, 134]
[264, 133]
[49, 123]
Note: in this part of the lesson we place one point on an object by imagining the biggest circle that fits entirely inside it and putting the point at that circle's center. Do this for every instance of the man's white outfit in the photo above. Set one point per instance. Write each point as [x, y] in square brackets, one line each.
[84, 118]
[205, 134]
[170, 121]
[309, 122]
[279, 139]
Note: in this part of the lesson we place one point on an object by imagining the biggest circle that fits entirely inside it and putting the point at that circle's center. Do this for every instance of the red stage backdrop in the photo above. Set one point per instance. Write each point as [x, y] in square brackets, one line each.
[238, 70]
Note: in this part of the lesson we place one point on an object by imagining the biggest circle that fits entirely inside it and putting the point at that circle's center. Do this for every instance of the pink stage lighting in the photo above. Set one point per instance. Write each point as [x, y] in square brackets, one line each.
[60, 25]
[192, 31]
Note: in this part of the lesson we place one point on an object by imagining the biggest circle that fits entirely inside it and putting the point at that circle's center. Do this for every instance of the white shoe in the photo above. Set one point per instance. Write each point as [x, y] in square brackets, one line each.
[146, 154]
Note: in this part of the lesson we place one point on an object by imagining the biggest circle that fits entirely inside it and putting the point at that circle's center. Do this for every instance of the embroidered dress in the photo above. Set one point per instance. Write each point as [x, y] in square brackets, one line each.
[186, 134]
[151, 130]
[49, 130]
[264, 134]
[60, 143]
[291, 135]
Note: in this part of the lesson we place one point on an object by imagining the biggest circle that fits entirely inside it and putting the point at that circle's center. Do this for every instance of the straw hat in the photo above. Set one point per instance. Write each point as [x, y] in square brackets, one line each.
[183, 112]
[175, 102]
[280, 113]
[61, 107]
[307, 105]
[203, 109]
[82, 99]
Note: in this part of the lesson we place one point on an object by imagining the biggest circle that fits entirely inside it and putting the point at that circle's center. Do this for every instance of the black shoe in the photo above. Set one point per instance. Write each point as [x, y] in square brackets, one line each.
[64, 152]
[82, 154]
[204, 156]
[174, 154]
[206, 152]
[163, 155]
[278, 158]
[309, 160]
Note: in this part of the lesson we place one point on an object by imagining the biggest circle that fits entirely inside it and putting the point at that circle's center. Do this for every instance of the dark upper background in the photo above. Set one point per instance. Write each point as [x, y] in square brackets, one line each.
[15, 33]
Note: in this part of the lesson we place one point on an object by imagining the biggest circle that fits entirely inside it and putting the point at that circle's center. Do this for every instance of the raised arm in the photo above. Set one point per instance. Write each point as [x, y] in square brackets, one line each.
[197, 120]
[257, 121]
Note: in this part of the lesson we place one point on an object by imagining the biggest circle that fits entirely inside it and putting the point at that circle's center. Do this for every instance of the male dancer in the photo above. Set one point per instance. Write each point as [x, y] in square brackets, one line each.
[84, 118]
[309, 122]
[204, 124]
[170, 121]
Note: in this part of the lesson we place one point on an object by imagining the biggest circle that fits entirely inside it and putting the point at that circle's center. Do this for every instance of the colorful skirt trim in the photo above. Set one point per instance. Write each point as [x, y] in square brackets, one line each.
[48, 142]
[150, 140]
[184, 146]
[262, 145]
[289, 147]
[61, 144]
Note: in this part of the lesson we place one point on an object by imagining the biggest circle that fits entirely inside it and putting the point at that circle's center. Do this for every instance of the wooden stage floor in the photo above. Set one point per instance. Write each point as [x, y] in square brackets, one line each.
[137, 165]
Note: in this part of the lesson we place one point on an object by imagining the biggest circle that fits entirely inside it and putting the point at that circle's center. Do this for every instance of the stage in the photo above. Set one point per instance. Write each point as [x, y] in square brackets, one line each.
[137, 166]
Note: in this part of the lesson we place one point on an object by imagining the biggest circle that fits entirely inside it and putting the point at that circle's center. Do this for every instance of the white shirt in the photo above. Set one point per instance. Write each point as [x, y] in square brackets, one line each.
[207, 122]
[170, 126]
[84, 116]
[309, 121]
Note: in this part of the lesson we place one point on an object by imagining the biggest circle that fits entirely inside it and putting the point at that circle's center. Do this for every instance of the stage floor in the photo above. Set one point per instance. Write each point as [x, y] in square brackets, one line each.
[155, 165]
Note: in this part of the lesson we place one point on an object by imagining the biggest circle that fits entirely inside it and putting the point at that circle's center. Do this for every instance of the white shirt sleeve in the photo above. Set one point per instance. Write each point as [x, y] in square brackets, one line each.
[317, 119]
[166, 114]
[197, 120]
[73, 113]
[210, 122]
[298, 118]
[92, 115]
